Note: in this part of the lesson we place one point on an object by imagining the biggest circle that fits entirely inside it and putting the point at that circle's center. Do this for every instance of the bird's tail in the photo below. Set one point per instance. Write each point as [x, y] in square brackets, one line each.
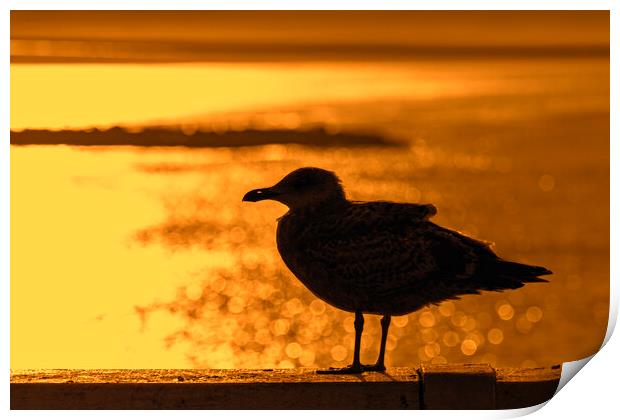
[501, 274]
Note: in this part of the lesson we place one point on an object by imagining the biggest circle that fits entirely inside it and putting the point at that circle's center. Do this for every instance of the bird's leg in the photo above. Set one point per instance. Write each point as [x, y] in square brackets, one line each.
[359, 327]
[380, 365]
[357, 366]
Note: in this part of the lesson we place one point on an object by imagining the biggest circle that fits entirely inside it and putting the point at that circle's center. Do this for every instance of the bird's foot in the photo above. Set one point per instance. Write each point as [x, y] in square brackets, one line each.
[374, 368]
[351, 369]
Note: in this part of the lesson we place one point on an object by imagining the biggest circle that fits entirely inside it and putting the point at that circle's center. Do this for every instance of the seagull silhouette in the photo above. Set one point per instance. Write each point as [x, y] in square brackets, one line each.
[379, 257]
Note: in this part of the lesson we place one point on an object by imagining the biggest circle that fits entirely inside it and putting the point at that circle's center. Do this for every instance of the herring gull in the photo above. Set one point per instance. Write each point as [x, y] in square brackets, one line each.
[379, 257]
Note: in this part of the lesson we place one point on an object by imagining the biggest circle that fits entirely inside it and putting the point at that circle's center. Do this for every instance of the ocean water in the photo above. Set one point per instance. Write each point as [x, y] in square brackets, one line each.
[129, 257]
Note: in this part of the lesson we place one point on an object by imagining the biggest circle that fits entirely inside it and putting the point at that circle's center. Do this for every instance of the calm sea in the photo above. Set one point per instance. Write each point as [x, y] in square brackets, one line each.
[145, 257]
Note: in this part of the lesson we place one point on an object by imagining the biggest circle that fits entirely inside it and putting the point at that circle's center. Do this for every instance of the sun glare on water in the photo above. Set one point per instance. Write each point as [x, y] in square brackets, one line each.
[126, 257]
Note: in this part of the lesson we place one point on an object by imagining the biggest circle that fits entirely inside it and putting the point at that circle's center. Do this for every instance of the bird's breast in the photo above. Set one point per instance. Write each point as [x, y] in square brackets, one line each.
[293, 239]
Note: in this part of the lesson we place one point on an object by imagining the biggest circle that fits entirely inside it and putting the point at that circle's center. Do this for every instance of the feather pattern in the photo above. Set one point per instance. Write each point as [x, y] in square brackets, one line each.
[388, 258]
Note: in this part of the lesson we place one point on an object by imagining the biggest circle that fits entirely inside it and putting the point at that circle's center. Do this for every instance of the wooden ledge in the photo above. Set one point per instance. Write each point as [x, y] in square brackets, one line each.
[431, 387]
[525, 387]
[468, 386]
[203, 376]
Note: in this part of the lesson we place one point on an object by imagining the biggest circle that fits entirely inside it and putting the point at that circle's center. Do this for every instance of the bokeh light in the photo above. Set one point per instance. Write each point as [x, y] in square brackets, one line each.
[495, 336]
[546, 183]
[451, 339]
[505, 312]
[293, 350]
[534, 314]
[469, 347]
[193, 277]
[426, 319]
[447, 309]
[339, 353]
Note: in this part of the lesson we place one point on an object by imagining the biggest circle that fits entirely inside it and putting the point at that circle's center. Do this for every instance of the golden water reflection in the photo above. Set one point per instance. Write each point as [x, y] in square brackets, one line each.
[129, 257]
[205, 279]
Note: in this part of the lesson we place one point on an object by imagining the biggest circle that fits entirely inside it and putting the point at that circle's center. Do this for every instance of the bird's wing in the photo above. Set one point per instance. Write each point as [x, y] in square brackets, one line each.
[362, 217]
[390, 211]
[380, 254]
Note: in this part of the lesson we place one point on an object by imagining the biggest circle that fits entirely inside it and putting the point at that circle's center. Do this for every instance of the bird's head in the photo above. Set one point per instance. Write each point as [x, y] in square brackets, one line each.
[304, 187]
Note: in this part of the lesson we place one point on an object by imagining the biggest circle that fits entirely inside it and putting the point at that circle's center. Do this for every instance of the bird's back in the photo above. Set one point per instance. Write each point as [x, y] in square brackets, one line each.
[388, 258]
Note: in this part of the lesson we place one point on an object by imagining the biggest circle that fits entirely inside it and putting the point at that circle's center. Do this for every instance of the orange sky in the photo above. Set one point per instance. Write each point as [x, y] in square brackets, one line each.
[208, 35]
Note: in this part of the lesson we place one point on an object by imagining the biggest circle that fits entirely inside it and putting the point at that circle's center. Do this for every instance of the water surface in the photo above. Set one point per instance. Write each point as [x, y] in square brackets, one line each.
[126, 257]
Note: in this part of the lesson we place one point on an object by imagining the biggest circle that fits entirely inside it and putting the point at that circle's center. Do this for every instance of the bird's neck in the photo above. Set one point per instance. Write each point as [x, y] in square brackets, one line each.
[324, 207]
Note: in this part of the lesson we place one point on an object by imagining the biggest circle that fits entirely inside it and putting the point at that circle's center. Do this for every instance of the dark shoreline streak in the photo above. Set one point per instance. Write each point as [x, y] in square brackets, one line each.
[166, 137]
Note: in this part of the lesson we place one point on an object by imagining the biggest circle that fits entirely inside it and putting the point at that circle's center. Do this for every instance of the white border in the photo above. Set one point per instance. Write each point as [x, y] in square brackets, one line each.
[594, 393]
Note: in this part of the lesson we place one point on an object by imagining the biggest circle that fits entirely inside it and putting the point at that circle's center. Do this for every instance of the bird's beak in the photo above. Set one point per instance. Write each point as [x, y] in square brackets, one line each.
[259, 194]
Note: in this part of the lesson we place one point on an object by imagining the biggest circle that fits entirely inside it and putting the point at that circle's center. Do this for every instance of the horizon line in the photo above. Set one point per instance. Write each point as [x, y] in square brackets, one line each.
[46, 51]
